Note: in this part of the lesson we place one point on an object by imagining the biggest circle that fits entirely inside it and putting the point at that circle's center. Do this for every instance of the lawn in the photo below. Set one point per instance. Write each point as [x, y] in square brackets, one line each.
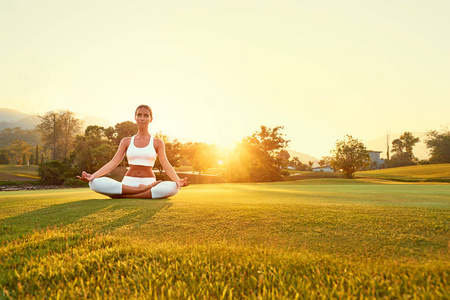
[411, 173]
[317, 238]
[18, 172]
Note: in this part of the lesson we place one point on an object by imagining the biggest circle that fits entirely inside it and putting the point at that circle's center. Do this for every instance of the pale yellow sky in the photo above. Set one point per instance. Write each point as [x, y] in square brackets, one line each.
[216, 71]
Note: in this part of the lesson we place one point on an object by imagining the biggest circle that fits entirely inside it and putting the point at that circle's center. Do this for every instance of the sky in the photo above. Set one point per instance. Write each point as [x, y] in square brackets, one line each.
[215, 71]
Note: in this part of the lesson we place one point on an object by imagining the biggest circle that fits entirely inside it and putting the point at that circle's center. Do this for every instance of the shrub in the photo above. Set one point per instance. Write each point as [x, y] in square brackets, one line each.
[4, 157]
[52, 172]
[56, 172]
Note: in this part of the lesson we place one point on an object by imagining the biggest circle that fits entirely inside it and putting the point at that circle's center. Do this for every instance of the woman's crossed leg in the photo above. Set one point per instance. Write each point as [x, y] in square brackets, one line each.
[134, 187]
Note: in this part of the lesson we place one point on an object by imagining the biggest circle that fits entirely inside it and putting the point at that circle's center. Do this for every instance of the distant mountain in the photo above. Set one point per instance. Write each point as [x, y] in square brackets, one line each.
[420, 150]
[11, 115]
[10, 118]
[304, 158]
[89, 120]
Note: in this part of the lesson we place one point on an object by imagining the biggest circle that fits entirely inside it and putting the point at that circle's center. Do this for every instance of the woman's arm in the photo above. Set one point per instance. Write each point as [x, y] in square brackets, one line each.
[112, 164]
[161, 151]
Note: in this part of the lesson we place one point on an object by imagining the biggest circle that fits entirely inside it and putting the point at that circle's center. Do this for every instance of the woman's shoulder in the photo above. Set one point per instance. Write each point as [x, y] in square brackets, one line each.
[127, 138]
[158, 143]
[126, 141]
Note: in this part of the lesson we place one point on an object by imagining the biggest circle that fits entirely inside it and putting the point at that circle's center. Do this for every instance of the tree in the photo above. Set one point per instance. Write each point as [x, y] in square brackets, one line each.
[405, 143]
[257, 157]
[95, 132]
[297, 164]
[270, 140]
[124, 129]
[31, 161]
[439, 144]
[294, 162]
[17, 149]
[37, 155]
[92, 150]
[322, 163]
[173, 152]
[70, 128]
[50, 132]
[110, 135]
[58, 131]
[4, 157]
[24, 159]
[349, 156]
[201, 156]
[7, 135]
[283, 158]
[403, 150]
[102, 155]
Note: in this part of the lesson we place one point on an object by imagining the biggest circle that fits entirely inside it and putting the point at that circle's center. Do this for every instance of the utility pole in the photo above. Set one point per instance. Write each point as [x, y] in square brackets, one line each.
[388, 139]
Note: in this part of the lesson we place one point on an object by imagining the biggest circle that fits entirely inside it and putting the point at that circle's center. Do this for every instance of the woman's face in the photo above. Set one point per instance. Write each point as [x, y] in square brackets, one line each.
[142, 117]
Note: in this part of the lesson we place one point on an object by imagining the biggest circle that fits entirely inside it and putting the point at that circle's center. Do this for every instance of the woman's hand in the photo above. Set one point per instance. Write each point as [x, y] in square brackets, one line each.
[183, 182]
[86, 177]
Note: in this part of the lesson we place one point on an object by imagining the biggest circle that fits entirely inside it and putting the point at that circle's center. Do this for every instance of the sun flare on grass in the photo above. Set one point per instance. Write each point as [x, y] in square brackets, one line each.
[277, 240]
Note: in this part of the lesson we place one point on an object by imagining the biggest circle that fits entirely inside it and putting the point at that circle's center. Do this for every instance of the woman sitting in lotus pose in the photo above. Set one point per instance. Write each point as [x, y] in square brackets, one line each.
[139, 181]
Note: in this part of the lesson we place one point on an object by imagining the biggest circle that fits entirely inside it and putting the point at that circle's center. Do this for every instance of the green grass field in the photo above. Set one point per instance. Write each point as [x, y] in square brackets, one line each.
[435, 172]
[13, 172]
[318, 238]
[411, 173]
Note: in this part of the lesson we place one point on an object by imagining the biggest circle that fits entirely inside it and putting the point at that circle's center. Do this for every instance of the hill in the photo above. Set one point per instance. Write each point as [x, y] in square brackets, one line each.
[304, 158]
[90, 120]
[8, 115]
[10, 118]
[437, 172]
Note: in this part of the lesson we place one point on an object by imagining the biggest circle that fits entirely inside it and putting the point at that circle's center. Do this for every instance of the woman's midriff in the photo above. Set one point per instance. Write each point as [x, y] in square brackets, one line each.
[140, 171]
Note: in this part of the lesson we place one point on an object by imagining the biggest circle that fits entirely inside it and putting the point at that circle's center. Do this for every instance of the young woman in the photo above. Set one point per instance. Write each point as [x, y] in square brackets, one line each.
[141, 151]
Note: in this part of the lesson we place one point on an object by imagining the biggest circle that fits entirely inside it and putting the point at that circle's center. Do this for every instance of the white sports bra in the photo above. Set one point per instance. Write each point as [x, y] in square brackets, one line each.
[144, 156]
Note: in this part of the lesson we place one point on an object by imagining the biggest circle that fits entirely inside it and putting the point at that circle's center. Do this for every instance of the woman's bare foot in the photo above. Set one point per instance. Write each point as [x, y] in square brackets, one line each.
[145, 187]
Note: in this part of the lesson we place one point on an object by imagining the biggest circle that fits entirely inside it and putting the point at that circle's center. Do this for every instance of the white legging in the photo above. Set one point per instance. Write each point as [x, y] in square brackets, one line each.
[110, 187]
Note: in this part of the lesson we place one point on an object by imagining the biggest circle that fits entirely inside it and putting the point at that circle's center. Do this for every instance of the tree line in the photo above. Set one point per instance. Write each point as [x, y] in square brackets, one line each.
[20, 146]
[350, 155]
[62, 151]
[65, 151]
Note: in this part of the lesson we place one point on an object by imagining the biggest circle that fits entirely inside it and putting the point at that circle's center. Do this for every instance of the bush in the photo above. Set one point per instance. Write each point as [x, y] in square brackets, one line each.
[425, 162]
[4, 157]
[52, 172]
[56, 172]
[13, 182]
[285, 173]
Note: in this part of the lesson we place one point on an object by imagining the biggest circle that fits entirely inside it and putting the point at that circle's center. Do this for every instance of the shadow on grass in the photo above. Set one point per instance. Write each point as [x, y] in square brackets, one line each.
[106, 215]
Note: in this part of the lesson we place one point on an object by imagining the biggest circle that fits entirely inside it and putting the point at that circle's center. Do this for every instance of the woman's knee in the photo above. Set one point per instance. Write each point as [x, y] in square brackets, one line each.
[105, 185]
[164, 189]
